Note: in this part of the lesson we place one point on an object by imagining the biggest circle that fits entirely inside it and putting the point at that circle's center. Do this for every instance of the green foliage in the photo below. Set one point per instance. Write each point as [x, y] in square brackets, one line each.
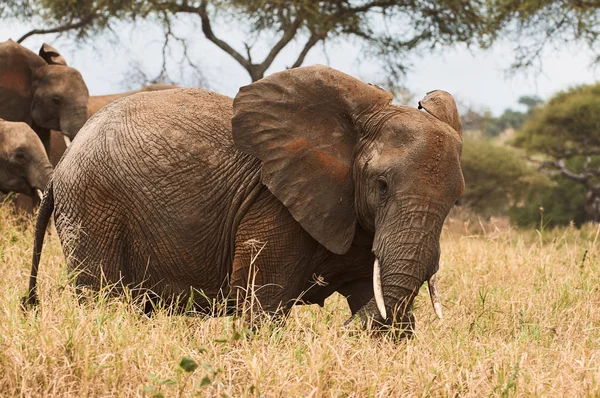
[496, 177]
[530, 101]
[511, 119]
[188, 364]
[557, 204]
[568, 125]
[565, 136]
[477, 120]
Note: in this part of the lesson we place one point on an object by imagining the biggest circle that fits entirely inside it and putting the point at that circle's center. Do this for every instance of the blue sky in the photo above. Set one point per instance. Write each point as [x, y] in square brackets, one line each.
[474, 77]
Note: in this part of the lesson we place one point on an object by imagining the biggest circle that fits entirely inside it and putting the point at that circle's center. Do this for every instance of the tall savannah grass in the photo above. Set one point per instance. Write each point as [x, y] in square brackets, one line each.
[522, 318]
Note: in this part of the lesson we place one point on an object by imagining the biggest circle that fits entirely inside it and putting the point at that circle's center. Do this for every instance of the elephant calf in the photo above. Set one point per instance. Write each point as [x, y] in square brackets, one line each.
[24, 165]
[308, 183]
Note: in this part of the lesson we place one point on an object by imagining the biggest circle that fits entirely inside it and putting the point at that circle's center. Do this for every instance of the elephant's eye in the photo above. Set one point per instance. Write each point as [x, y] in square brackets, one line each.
[20, 156]
[383, 187]
[56, 100]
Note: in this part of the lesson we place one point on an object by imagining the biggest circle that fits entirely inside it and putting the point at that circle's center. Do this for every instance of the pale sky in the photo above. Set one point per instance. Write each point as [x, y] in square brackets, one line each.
[473, 76]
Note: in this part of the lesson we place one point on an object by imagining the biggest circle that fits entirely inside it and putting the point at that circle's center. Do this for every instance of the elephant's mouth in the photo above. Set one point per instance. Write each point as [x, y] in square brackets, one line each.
[380, 300]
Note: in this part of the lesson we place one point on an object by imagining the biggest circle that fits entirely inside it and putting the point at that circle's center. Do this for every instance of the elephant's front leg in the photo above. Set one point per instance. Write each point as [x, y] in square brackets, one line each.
[273, 257]
[358, 293]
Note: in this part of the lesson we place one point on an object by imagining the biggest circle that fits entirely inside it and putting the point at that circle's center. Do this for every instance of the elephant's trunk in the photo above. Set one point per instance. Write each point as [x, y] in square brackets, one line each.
[406, 249]
[39, 175]
[380, 300]
[72, 120]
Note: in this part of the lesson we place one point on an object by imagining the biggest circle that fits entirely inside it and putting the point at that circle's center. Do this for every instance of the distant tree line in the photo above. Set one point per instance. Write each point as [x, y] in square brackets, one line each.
[549, 172]
[490, 126]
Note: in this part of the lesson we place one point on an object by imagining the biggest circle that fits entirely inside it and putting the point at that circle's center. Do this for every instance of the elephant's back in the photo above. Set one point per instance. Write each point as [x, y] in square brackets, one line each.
[155, 127]
[155, 139]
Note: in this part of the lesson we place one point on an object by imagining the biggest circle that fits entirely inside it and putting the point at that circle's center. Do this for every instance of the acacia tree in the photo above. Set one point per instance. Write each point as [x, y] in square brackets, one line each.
[564, 138]
[387, 29]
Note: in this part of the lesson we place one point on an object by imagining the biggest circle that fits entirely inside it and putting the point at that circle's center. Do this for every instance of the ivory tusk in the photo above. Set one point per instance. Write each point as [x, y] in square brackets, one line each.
[435, 297]
[377, 289]
[67, 140]
[39, 194]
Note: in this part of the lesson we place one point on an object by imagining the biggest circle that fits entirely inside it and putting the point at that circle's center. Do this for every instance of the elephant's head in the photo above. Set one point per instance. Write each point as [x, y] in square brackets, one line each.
[60, 96]
[24, 165]
[41, 89]
[336, 152]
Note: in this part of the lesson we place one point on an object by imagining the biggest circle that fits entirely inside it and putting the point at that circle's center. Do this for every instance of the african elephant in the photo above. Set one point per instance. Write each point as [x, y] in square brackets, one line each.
[308, 183]
[95, 102]
[24, 165]
[41, 90]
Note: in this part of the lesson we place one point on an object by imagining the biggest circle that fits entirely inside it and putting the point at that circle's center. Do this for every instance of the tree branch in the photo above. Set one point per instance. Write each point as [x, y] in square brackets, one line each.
[374, 4]
[288, 35]
[560, 166]
[210, 35]
[58, 29]
[248, 51]
[312, 41]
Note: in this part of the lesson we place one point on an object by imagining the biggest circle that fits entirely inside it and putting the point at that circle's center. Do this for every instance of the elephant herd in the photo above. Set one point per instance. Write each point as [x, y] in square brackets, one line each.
[308, 182]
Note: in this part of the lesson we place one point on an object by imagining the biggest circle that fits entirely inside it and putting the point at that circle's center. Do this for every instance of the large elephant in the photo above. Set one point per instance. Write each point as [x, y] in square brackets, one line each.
[24, 165]
[41, 90]
[311, 183]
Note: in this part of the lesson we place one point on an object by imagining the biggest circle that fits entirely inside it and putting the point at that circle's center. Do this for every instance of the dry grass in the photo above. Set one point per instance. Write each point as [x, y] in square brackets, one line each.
[522, 318]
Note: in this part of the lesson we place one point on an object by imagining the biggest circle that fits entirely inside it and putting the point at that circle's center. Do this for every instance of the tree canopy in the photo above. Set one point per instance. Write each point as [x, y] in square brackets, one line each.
[536, 25]
[564, 137]
[482, 120]
[496, 177]
[388, 30]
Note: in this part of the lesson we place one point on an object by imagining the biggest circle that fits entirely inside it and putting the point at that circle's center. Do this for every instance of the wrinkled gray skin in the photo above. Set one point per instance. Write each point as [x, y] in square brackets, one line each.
[24, 165]
[41, 90]
[95, 103]
[321, 172]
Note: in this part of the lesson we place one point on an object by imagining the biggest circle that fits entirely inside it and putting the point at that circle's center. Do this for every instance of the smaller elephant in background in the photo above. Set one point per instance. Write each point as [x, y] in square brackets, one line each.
[24, 165]
[41, 90]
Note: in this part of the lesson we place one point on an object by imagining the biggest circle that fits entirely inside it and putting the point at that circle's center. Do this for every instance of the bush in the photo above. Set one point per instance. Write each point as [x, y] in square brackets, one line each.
[564, 134]
[558, 204]
[496, 177]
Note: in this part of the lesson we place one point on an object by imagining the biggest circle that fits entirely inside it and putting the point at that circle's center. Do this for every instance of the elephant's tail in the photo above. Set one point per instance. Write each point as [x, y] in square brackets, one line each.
[41, 224]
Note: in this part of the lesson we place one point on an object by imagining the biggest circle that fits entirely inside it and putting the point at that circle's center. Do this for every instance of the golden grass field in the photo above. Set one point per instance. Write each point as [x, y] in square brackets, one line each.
[522, 318]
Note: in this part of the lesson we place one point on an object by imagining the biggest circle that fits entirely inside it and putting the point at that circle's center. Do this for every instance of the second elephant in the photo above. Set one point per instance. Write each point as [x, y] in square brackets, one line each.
[41, 90]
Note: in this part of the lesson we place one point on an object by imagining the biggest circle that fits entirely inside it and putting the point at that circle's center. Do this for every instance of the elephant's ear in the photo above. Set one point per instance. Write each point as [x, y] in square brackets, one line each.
[442, 106]
[17, 65]
[51, 55]
[301, 124]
